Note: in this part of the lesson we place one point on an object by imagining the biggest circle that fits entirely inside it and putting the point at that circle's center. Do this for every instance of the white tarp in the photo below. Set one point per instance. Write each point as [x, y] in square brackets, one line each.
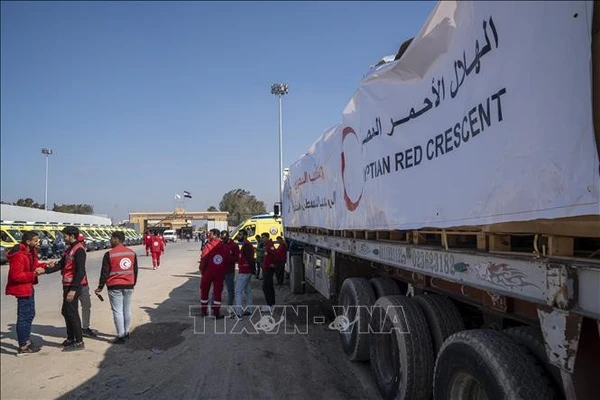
[486, 118]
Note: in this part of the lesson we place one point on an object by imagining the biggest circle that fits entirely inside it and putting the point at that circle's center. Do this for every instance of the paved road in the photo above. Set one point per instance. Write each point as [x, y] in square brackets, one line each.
[173, 355]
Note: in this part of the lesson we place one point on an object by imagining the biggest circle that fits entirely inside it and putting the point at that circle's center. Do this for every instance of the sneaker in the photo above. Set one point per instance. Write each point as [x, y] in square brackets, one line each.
[29, 349]
[75, 346]
[127, 336]
[120, 340]
[67, 342]
[154, 268]
[89, 333]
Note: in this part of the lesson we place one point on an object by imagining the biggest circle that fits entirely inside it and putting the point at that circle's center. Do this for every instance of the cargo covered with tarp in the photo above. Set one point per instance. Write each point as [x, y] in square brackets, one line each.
[485, 119]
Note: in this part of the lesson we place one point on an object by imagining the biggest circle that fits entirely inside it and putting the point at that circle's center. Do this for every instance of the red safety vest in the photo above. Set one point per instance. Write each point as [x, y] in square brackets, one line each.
[121, 266]
[68, 271]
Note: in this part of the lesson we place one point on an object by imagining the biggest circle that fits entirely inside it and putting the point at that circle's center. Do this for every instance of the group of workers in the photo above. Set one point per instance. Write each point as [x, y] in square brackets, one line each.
[217, 265]
[155, 245]
[119, 274]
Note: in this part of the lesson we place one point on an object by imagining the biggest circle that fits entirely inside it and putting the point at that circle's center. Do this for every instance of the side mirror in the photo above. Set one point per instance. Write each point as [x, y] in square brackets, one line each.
[277, 209]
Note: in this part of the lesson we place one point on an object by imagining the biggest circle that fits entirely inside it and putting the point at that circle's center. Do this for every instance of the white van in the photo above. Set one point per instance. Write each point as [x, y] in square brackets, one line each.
[170, 235]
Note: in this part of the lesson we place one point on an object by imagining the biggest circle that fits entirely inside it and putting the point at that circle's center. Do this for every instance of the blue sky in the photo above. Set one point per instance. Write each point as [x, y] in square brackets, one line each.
[140, 101]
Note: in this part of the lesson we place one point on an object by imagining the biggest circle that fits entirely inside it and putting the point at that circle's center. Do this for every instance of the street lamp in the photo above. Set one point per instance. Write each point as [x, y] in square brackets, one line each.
[280, 89]
[47, 152]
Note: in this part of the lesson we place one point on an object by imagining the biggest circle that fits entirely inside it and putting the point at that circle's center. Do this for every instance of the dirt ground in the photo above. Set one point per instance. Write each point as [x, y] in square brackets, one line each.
[173, 353]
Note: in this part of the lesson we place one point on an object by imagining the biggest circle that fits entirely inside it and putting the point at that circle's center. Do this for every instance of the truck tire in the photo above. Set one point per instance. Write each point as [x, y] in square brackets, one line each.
[401, 358]
[383, 286]
[483, 363]
[355, 339]
[442, 316]
[296, 274]
[531, 338]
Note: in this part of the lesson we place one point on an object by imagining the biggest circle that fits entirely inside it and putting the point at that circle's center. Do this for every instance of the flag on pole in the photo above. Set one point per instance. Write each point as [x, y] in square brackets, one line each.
[187, 194]
[177, 197]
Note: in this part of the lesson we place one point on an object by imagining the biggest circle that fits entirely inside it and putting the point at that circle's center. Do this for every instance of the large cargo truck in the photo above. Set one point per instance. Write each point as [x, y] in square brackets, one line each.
[454, 213]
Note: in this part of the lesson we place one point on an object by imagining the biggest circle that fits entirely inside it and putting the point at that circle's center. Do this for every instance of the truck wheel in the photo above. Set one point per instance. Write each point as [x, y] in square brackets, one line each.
[442, 317]
[486, 364]
[355, 337]
[296, 274]
[531, 337]
[384, 287]
[401, 350]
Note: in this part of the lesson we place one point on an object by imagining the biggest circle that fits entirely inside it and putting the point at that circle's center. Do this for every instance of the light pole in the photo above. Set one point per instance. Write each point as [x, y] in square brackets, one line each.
[47, 152]
[280, 89]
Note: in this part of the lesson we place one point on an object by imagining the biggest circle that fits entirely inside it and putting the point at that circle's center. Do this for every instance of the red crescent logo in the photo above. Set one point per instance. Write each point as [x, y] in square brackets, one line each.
[350, 205]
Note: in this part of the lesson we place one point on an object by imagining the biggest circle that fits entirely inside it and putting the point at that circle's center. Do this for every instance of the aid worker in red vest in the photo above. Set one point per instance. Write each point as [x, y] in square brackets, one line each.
[229, 277]
[72, 268]
[213, 261]
[158, 247]
[246, 266]
[268, 269]
[119, 273]
[148, 242]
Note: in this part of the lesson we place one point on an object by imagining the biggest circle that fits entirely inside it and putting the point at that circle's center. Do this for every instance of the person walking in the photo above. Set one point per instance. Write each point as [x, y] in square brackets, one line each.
[72, 267]
[260, 254]
[23, 271]
[158, 247]
[246, 267]
[268, 270]
[148, 242]
[213, 260]
[234, 252]
[119, 273]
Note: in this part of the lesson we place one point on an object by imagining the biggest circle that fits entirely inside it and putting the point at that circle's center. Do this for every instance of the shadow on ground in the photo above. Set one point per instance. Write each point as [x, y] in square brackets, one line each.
[169, 358]
[44, 330]
[168, 322]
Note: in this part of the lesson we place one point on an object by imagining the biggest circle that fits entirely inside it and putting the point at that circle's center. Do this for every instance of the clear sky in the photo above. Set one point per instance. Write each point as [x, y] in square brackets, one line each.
[142, 100]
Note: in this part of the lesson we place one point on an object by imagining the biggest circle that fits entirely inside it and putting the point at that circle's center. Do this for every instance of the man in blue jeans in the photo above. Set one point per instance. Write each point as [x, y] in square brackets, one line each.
[23, 272]
[229, 277]
[119, 273]
[246, 268]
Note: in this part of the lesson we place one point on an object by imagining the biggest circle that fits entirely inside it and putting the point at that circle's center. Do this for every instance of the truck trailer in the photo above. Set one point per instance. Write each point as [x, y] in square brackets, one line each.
[454, 212]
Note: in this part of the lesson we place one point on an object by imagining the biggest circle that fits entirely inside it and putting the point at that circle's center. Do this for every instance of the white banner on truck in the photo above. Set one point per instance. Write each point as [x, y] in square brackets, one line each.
[486, 118]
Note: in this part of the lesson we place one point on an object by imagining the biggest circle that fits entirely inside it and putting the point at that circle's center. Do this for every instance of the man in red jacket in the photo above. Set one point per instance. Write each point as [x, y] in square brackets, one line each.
[213, 260]
[268, 269]
[23, 272]
[234, 252]
[158, 247]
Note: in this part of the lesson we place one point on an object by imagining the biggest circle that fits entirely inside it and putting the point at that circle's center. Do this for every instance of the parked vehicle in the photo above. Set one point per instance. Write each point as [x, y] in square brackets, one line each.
[259, 224]
[460, 237]
[170, 235]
